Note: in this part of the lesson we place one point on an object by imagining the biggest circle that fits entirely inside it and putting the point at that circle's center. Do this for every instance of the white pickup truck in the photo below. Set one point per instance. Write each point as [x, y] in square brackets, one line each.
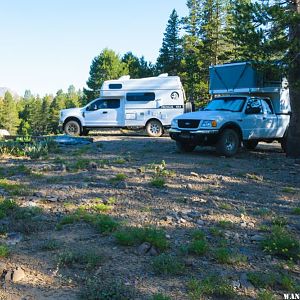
[150, 102]
[256, 114]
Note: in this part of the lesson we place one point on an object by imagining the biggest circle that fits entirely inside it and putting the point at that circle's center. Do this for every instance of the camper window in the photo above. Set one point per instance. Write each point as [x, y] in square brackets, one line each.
[103, 104]
[144, 97]
[115, 86]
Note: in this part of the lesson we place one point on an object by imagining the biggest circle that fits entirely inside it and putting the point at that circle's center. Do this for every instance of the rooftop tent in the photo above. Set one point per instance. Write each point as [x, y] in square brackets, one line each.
[244, 78]
[241, 78]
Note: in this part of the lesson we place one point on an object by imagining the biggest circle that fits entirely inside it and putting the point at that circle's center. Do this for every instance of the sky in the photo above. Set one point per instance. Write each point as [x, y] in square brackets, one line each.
[47, 45]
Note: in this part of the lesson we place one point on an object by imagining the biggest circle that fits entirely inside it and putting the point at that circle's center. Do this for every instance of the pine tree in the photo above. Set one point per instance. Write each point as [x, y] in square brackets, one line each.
[170, 54]
[107, 65]
[9, 118]
[194, 73]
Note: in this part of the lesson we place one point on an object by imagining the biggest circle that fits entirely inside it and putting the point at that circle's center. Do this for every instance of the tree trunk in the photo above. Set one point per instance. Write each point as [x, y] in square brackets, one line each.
[293, 141]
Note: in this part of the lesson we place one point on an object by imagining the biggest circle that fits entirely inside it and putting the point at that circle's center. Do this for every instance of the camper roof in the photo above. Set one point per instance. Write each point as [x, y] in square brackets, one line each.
[161, 82]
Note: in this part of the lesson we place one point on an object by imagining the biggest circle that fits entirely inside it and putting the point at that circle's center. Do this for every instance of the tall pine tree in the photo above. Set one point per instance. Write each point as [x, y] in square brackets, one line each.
[170, 54]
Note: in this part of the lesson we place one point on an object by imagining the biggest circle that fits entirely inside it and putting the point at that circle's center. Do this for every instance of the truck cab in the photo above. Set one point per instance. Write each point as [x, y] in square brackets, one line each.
[246, 115]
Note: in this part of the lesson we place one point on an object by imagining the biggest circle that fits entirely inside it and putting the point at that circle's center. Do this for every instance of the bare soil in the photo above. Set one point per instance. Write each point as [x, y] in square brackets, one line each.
[204, 189]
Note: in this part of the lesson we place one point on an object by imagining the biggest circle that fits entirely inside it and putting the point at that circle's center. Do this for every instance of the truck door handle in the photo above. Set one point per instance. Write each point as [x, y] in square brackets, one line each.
[104, 112]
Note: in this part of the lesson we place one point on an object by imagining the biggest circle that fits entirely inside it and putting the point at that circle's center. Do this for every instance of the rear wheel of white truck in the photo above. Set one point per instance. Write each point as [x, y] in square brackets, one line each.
[228, 143]
[72, 128]
[154, 128]
[185, 147]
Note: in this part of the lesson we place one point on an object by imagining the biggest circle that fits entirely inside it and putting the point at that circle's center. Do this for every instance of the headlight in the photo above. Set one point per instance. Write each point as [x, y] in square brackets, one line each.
[209, 123]
[174, 123]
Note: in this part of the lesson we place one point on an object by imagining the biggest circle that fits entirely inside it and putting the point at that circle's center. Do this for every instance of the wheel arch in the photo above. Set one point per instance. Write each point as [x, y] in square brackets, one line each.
[154, 119]
[72, 119]
[234, 126]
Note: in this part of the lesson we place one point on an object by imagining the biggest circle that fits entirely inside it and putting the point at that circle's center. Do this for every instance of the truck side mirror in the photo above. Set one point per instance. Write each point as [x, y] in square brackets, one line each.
[253, 110]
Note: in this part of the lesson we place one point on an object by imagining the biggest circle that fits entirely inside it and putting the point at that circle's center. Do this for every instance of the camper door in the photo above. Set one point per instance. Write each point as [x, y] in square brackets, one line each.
[104, 112]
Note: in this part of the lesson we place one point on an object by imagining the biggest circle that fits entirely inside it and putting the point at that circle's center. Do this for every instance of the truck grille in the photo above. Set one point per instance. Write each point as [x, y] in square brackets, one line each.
[188, 123]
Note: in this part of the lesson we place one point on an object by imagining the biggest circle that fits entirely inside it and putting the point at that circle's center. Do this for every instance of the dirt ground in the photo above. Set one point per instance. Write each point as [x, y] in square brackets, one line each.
[234, 201]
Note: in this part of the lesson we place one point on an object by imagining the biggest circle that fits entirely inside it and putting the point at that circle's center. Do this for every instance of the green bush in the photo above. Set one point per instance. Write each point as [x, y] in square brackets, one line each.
[130, 236]
[4, 250]
[89, 258]
[6, 206]
[282, 244]
[98, 289]
[165, 264]
[198, 245]
[158, 182]
[210, 286]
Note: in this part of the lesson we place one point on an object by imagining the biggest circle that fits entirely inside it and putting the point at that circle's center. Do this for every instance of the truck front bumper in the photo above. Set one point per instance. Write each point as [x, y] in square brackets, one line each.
[197, 137]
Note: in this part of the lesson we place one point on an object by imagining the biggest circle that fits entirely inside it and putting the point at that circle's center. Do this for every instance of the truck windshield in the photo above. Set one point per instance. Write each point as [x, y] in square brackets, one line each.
[234, 104]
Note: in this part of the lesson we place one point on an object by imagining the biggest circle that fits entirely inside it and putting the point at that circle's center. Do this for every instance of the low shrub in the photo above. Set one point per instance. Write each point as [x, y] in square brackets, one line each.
[282, 244]
[165, 264]
[210, 286]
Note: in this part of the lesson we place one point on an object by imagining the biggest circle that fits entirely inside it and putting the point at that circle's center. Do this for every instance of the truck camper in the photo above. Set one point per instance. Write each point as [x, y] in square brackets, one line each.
[246, 108]
[135, 103]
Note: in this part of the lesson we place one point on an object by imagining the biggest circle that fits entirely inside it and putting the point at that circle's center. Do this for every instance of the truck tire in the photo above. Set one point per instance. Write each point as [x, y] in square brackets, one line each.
[72, 128]
[250, 145]
[185, 147]
[154, 128]
[228, 143]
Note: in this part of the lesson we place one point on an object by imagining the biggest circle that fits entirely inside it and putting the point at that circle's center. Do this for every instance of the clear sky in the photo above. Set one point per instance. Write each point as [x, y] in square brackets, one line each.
[46, 45]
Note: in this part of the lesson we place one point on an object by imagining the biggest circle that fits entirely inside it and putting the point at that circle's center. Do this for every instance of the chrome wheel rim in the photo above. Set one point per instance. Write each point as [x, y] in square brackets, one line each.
[155, 128]
[230, 143]
[72, 129]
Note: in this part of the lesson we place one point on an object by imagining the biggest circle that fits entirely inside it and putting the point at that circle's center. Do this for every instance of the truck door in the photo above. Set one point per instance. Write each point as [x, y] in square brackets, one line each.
[104, 113]
[270, 120]
[254, 122]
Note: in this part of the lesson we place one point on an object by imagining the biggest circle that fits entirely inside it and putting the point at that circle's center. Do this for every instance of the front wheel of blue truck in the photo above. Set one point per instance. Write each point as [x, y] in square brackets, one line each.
[228, 143]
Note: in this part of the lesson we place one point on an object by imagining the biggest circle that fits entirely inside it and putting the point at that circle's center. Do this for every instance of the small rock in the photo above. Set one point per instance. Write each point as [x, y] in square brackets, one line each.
[18, 274]
[122, 185]
[182, 220]
[194, 174]
[236, 284]
[200, 222]
[252, 225]
[236, 237]
[62, 168]
[92, 166]
[189, 186]
[152, 251]
[143, 248]
[169, 219]
[168, 236]
[193, 214]
[257, 238]
[244, 225]
[13, 238]
[52, 198]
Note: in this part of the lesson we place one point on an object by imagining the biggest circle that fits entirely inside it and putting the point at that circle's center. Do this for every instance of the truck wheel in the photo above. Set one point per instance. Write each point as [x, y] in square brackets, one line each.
[250, 145]
[228, 143]
[154, 128]
[185, 147]
[72, 127]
